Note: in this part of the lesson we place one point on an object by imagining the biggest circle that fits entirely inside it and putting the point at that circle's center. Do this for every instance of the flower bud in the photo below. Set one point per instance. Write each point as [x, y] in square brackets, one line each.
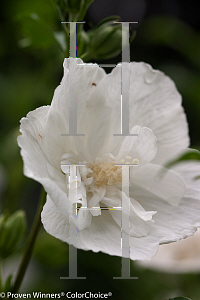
[106, 41]
[84, 40]
[11, 232]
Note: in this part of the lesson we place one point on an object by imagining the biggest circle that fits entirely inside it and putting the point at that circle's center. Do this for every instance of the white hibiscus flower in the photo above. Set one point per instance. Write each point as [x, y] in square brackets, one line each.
[162, 209]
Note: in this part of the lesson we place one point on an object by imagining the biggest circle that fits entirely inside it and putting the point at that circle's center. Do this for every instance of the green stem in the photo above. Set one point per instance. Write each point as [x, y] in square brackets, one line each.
[30, 244]
[1, 283]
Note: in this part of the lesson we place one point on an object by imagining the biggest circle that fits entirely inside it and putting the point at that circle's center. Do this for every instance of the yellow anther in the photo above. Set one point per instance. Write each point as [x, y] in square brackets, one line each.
[128, 157]
[106, 174]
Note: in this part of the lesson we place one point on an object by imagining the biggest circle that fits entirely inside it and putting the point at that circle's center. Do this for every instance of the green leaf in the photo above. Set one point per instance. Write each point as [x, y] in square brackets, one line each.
[8, 285]
[60, 39]
[36, 33]
[192, 155]
[108, 19]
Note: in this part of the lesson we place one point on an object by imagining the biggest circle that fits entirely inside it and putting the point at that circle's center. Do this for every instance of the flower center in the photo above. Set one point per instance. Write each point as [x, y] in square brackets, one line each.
[106, 173]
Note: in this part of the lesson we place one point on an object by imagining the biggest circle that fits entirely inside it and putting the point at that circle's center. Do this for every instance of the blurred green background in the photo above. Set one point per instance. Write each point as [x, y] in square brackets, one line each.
[31, 60]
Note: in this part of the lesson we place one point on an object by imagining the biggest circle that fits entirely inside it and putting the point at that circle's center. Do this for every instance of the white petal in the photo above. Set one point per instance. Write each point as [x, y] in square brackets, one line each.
[103, 234]
[83, 218]
[143, 147]
[36, 164]
[111, 201]
[189, 171]
[94, 201]
[167, 185]
[90, 105]
[55, 174]
[137, 208]
[154, 102]
[137, 227]
[157, 105]
[134, 208]
[138, 217]
[79, 79]
[111, 190]
[173, 222]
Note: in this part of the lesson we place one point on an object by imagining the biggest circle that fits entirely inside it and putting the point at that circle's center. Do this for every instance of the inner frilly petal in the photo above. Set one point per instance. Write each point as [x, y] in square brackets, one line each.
[143, 146]
[137, 227]
[95, 201]
[139, 218]
[82, 219]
